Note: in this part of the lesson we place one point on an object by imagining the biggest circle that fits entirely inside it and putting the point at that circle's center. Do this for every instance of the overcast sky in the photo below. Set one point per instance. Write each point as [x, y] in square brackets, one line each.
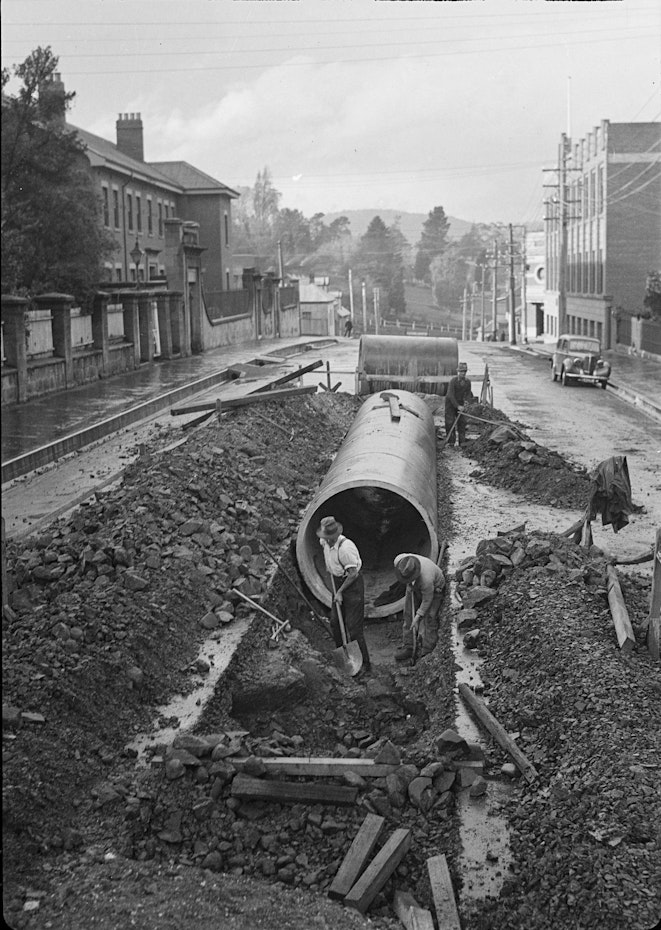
[402, 105]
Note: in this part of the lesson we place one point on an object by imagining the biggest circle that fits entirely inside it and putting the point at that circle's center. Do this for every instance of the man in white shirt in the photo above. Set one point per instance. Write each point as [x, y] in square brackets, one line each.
[425, 583]
[343, 562]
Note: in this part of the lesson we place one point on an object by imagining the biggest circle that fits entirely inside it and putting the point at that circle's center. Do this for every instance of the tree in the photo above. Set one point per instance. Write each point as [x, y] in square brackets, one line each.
[461, 265]
[378, 259]
[52, 236]
[433, 242]
[652, 299]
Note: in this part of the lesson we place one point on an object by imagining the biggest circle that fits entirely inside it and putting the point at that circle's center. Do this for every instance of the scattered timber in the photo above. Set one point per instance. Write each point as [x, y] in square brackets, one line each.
[319, 767]
[379, 871]
[636, 559]
[619, 612]
[232, 402]
[497, 730]
[443, 893]
[410, 913]
[289, 377]
[357, 857]
[288, 792]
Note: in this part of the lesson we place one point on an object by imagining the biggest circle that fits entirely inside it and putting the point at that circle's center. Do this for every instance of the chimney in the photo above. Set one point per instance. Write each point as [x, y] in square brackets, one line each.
[52, 101]
[129, 135]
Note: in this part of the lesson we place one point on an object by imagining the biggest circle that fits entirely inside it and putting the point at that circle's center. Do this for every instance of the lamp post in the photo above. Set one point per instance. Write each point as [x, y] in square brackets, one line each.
[136, 254]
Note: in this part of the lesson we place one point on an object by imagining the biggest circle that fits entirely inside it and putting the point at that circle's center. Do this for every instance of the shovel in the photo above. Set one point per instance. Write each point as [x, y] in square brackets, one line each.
[348, 656]
[449, 435]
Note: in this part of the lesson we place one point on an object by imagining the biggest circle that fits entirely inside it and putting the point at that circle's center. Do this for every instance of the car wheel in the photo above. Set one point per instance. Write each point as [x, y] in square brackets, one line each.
[564, 378]
[603, 385]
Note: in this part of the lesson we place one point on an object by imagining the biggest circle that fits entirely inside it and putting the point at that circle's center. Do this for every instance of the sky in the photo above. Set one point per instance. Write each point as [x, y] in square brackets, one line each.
[356, 104]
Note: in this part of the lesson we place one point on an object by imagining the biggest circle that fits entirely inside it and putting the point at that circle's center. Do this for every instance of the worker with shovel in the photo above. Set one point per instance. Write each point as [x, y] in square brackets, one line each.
[458, 395]
[425, 583]
[343, 563]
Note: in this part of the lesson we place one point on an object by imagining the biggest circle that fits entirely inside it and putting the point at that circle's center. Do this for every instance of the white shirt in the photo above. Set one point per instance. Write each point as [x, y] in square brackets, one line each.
[343, 554]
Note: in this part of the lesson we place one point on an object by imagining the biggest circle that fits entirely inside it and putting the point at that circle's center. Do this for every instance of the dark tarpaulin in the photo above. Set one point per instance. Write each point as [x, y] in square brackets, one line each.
[611, 492]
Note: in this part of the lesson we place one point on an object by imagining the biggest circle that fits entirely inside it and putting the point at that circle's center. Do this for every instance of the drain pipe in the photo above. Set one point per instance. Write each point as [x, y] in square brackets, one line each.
[382, 488]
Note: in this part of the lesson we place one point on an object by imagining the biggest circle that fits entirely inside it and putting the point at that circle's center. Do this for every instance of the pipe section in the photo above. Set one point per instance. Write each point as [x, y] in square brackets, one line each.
[382, 488]
[411, 363]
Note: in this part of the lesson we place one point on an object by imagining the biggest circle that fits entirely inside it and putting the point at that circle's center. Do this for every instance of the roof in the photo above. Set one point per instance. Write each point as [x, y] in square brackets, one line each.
[107, 153]
[191, 178]
[174, 175]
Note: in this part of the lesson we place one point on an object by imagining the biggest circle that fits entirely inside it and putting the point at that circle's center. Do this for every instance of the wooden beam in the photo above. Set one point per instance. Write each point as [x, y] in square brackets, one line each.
[379, 871]
[654, 624]
[358, 856]
[410, 913]
[320, 767]
[244, 401]
[289, 792]
[443, 893]
[289, 377]
[619, 612]
[485, 717]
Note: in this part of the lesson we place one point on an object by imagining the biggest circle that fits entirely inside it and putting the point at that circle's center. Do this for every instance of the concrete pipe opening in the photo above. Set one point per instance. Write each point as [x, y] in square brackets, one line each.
[382, 489]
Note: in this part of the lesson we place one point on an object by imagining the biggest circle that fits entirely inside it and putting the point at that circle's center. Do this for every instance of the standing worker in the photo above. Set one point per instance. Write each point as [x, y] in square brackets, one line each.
[348, 327]
[459, 393]
[425, 583]
[343, 562]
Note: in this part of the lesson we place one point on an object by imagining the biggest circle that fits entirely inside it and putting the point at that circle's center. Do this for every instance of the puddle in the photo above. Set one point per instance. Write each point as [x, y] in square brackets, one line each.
[188, 708]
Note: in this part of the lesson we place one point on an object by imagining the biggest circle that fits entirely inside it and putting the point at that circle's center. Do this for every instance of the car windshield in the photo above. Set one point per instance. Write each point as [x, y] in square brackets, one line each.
[583, 345]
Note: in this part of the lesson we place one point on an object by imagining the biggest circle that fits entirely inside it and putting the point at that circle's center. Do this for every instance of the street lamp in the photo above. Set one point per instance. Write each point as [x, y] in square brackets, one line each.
[136, 254]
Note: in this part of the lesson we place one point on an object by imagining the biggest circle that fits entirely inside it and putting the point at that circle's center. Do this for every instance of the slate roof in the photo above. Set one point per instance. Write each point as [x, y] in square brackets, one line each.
[174, 175]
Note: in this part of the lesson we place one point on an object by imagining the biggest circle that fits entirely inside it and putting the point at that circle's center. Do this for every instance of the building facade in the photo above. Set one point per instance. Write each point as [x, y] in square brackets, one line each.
[603, 229]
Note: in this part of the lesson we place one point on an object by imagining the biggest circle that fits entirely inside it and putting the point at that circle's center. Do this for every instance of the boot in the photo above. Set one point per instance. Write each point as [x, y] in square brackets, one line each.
[403, 653]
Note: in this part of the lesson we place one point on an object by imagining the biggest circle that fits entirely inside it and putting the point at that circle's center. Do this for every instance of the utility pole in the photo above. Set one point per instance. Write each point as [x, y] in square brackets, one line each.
[495, 290]
[463, 315]
[375, 294]
[280, 264]
[470, 328]
[351, 293]
[524, 293]
[364, 296]
[483, 319]
[562, 265]
[512, 291]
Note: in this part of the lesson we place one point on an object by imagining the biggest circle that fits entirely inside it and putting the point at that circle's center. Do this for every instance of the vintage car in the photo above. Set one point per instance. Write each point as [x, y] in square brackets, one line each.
[578, 358]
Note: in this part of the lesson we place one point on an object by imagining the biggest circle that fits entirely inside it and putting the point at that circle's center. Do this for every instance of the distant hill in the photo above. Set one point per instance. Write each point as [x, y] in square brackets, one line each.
[410, 223]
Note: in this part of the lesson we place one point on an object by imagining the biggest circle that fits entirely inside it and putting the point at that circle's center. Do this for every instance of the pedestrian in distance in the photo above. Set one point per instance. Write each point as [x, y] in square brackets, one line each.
[425, 584]
[343, 562]
[348, 327]
[458, 395]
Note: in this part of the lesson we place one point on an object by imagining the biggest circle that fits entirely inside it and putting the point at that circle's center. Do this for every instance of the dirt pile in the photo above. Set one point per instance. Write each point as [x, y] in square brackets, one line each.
[586, 840]
[509, 459]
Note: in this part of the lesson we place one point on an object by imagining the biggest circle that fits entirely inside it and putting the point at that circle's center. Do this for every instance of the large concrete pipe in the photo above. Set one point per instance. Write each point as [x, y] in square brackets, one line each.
[382, 488]
[413, 363]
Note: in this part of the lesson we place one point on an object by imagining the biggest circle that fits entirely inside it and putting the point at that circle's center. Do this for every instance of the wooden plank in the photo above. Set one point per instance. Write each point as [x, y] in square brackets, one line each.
[320, 767]
[267, 396]
[289, 377]
[443, 893]
[619, 612]
[379, 871]
[655, 602]
[485, 716]
[289, 792]
[410, 913]
[358, 856]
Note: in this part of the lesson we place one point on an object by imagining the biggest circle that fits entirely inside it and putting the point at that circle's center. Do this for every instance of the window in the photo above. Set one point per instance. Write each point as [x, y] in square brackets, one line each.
[129, 211]
[115, 207]
[600, 189]
[106, 207]
[227, 280]
[138, 212]
[160, 218]
[150, 218]
[118, 273]
[227, 230]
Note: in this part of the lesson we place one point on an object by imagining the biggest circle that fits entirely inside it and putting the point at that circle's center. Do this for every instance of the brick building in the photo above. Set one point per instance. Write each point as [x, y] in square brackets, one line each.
[603, 229]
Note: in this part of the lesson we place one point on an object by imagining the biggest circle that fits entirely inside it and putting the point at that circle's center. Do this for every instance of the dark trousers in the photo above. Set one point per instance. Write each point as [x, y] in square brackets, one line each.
[353, 614]
[459, 430]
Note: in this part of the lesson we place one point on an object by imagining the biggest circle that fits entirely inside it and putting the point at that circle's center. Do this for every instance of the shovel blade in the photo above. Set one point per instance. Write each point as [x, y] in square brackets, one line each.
[349, 658]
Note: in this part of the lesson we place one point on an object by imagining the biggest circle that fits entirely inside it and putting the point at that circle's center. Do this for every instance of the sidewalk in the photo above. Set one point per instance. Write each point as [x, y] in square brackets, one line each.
[87, 413]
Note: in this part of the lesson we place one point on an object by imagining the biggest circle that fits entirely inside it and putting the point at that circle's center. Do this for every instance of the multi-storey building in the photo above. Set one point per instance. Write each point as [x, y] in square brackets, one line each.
[603, 230]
